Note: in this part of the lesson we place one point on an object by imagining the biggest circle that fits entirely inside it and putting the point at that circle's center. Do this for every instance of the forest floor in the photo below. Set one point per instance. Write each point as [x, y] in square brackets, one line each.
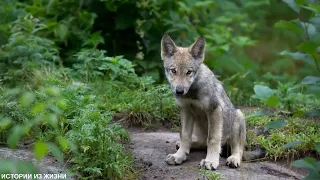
[151, 148]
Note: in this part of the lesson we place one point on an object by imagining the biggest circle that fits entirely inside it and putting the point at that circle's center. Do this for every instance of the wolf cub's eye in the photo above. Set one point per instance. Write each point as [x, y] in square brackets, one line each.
[189, 72]
[173, 71]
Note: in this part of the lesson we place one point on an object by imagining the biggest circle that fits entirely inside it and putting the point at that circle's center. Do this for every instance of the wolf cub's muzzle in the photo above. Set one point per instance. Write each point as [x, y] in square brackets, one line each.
[179, 90]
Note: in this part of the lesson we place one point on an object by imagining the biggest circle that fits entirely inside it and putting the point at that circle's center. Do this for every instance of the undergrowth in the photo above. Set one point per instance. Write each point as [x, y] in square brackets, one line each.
[275, 141]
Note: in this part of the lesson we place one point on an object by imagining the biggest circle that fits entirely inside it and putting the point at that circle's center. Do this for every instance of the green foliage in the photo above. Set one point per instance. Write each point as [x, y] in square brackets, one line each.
[295, 136]
[142, 107]
[25, 51]
[289, 97]
[73, 70]
[63, 116]
[210, 175]
[30, 118]
[92, 63]
[307, 26]
[286, 138]
[311, 164]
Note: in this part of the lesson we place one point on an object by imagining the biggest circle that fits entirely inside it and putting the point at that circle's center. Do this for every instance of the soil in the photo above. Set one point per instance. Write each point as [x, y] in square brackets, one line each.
[48, 165]
[151, 148]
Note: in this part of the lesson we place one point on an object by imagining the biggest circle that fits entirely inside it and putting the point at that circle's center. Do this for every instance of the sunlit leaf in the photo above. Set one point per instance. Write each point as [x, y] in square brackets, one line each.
[55, 150]
[38, 108]
[272, 101]
[263, 91]
[63, 142]
[40, 150]
[27, 98]
[5, 123]
[15, 135]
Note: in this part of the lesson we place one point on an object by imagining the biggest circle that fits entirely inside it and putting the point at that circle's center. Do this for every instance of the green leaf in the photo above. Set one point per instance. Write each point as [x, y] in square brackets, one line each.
[313, 7]
[298, 56]
[288, 25]
[300, 2]
[20, 167]
[307, 162]
[318, 147]
[259, 113]
[274, 125]
[52, 120]
[310, 80]
[298, 113]
[313, 175]
[204, 3]
[55, 150]
[38, 108]
[95, 39]
[293, 144]
[15, 135]
[27, 99]
[40, 150]
[5, 123]
[308, 47]
[61, 31]
[292, 4]
[272, 101]
[309, 30]
[51, 6]
[53, 91]
[263, 92]
[315, 20]
[62, 104]
[63, 142]
[313, 113]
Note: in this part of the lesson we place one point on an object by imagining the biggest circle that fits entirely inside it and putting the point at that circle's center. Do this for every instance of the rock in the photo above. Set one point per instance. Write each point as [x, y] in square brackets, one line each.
[151, 147]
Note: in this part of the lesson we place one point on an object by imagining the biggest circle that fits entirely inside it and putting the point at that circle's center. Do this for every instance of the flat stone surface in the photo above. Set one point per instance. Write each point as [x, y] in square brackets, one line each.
[151, 148]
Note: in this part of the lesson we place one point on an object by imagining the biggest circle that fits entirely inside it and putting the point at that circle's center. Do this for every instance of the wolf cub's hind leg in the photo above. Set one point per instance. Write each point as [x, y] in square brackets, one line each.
[237, 141]
[200, 137]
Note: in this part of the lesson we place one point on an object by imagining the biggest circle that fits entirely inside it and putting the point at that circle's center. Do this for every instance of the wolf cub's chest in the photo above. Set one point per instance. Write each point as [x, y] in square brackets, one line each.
[200, 104]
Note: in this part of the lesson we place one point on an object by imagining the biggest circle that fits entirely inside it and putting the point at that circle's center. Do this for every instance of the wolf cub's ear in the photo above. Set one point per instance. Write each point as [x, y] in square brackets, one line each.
[168, 47]
[197, 49]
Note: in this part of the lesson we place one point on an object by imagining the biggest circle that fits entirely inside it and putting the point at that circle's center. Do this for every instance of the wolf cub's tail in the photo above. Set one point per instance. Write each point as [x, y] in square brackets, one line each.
[251, 153]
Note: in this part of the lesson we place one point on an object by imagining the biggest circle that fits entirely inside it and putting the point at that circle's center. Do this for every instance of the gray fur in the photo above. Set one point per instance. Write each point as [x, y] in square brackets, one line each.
[206, 110]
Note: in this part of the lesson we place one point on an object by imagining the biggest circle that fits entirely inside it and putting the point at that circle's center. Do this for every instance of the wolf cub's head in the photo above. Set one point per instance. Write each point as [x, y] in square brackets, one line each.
[181, 63]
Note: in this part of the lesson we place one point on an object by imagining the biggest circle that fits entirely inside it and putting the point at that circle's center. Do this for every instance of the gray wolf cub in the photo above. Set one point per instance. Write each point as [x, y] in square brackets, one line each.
[206, 111]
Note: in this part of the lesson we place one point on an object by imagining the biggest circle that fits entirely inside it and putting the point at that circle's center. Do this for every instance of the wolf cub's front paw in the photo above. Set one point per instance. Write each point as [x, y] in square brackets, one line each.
[173, 159]
[233, 161]
[209, 164]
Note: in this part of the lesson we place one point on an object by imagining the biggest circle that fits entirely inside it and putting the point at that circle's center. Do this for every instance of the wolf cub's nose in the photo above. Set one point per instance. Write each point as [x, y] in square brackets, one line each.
[179, 90]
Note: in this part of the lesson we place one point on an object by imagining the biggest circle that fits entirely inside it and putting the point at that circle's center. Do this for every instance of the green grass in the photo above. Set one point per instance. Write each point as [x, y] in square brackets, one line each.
[300, 133]
[210, 175]
[141, 106]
